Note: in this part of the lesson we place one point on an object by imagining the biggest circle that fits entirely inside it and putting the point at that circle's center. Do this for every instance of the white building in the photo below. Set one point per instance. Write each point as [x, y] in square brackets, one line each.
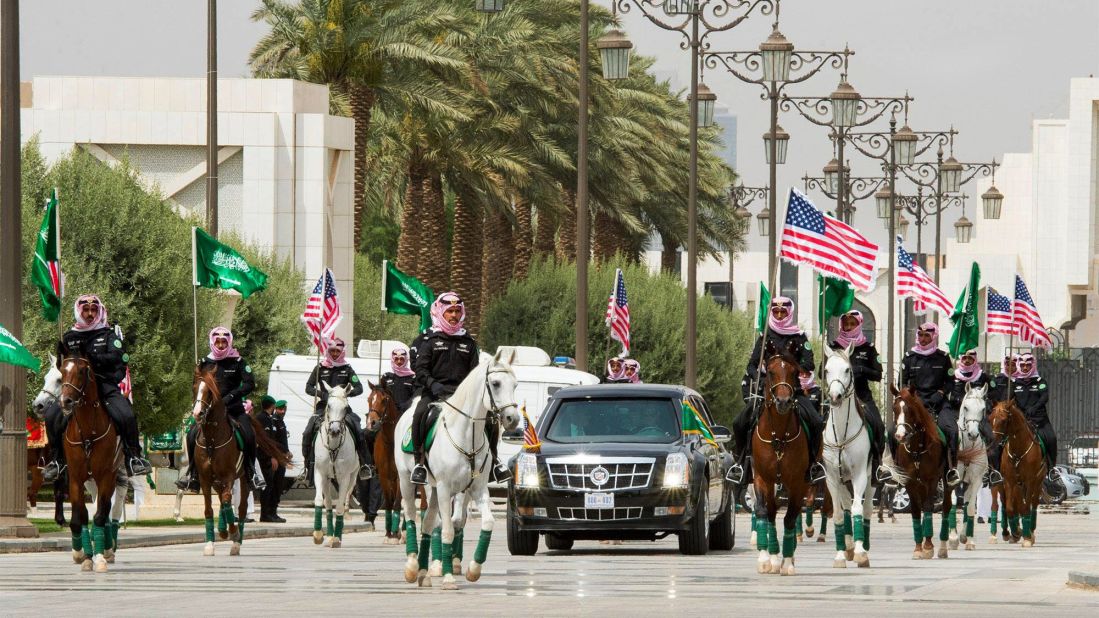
[285, 165]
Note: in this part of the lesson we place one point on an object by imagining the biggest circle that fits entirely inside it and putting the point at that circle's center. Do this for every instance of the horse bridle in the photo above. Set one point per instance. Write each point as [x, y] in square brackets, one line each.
[782, 408]
[85, 369]
[910, 431]
[343, 431]
[493, 413]
[383, 416]
[848, 391]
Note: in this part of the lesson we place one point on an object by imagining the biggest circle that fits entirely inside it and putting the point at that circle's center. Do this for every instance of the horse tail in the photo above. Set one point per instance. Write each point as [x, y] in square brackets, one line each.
[897, 473]
[969, 455]
[267, 445]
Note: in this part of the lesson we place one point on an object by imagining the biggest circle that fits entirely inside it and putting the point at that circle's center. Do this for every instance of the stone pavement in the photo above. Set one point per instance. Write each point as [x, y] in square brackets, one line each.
[291, 576]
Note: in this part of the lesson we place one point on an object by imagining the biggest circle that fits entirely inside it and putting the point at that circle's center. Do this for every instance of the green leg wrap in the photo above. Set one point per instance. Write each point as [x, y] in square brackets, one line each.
[410, 535]
[230, 516]
[390, 525]
[1015, 525]
[1034, 519]
[459, 539]
[481, 553]
[928, 525]
[447, 556]
[847, 526]
[339, 526]
[425, 549]
[859, 528]
[809, 516]
[789, 542]
[841, 544]
[953, 517]
[866, 534]
[77, 546]
[772, 538]
[917, 529]
[797, 525]
[99, 538]
[318, 515]
[1005, 521]
[223, 524]
[945, 527]
[330, 525]
[993, 519]
[86, 541]
[437, 543]
[1026, 525]
[240, 533]
[823, 524]
[209, 529]
[969, 523]
[114, 534]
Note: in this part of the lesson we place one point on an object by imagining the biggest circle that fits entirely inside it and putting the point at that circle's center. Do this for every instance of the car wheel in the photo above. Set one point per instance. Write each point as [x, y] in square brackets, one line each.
[902, 503]
[520, 542]
[558, 543]
[693, 541]
[723, 528]
[1057, 493]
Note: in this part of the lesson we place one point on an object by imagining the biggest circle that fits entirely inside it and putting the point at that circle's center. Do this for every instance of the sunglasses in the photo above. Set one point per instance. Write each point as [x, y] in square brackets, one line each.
[400, 355]
[88, 302]
[631, 369]
[781, 305]
[450, 302]
[926, 332]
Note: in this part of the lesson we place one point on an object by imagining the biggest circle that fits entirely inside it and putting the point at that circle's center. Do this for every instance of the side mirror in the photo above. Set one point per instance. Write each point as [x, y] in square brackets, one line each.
[721, 434]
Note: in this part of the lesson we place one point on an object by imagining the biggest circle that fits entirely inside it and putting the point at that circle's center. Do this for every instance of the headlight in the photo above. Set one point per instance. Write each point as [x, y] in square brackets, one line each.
[675, 471]
[526, 469]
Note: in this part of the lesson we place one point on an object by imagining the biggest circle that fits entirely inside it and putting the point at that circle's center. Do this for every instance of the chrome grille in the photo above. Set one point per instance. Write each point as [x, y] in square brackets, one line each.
[617, 513]
[623, 473]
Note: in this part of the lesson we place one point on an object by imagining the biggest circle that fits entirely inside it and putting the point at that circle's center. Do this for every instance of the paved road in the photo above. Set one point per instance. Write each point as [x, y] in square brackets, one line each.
[285, 576]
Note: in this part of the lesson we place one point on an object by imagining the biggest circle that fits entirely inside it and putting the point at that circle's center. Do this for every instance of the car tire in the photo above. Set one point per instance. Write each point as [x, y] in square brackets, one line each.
[557, 542]
[723, 528]
[693, 541]
[1057, 493]
[520, 542]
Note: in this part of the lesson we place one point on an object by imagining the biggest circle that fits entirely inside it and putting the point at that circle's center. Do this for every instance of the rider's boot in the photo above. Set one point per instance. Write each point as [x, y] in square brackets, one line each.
[256, 479]
[1054, 474]
[135, 461]
[994, 477]
[188, 480]
[419, 472]
[952, 477]
[884, 472]
[366, 464]
[500, 473]
[52, 471]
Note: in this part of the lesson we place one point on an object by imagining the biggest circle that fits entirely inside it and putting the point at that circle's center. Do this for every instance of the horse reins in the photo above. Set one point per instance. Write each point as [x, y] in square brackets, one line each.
[85, 443]
[779, 445]
[493, 413]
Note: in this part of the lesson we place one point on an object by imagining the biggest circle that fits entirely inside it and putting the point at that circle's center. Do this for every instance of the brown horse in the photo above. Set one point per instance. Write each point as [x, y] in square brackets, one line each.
[1023, 468]
[93, 450]
[382, 418]
[811, 493]
[218, 460]
[920, 456]
[994, 514]
[780, 454]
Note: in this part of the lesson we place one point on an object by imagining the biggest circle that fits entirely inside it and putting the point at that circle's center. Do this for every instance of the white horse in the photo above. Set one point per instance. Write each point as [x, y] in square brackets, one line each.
[847, 450]
[973, 409]
[335, 468]
[51, 388]
[458, 466]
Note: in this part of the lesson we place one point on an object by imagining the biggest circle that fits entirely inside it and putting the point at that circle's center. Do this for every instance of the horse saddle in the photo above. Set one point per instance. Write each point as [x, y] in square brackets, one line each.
[235, 424]
[431, 419]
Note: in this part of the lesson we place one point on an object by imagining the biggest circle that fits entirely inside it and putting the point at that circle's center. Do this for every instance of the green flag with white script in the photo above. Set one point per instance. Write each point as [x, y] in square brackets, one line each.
[220, 266]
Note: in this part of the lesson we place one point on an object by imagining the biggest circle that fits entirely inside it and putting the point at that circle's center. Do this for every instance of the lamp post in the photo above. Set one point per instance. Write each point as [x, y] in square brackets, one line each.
[695, 20]
[740, 197]
[856, 189]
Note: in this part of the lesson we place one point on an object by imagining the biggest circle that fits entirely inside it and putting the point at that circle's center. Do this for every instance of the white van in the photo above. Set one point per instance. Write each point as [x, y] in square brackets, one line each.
[537, 375]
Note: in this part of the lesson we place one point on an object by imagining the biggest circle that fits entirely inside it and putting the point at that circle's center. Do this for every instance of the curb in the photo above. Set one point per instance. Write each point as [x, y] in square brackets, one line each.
[1084, 579]
[144, 539]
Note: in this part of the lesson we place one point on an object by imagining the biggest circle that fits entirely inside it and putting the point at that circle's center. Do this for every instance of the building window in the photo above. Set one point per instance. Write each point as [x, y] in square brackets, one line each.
[788, 281]
[721, 292]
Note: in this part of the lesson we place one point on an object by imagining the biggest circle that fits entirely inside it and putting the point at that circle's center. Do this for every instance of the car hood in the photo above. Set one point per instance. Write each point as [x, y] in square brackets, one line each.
[610, 449]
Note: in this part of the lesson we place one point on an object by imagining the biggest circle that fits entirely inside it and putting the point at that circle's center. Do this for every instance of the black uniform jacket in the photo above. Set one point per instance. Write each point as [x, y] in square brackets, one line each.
[104, 350]
[930, 376]
[443, 361]
[234, 379]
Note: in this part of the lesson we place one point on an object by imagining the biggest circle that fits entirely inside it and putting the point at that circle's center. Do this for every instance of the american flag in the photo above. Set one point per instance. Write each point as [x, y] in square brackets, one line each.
[322, 310]
[618, 313]
[1028, 324]
[826, 244]
[998, 317]
[531, 443]
[913, 282]
[126, 386]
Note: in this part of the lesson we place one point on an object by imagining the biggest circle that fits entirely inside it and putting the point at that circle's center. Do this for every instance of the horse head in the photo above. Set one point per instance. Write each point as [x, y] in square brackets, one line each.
[76, 377]
[838, 374]
[973, 410]
[206, 394]
[782, 375]
[1002, 418]
[499, 392]
[336, 409]
[381, 408]
[51, 387]
[908, 413]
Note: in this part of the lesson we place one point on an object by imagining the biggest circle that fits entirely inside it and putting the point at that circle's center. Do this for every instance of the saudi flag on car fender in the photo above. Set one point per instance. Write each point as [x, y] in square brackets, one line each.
[693, 423]
[220, 266]
[13, 352]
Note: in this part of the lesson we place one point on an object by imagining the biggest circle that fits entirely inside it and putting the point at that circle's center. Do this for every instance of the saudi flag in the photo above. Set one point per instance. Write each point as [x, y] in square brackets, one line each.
[967, 328]
[764, 307]
[13, 352]
[406, 295]
[46, 267]
[693, 423]
[220, 266]
[836, 298]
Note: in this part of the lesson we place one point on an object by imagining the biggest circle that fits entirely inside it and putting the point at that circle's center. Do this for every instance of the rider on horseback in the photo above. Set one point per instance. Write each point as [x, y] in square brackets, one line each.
[400, 380]
[616, 371]
[927, 370]
[234, 381]
[782, 334]
[334, 371]
[1031, 394]
[969, 372]
[865, 368]
[93, 337]
[445, 356]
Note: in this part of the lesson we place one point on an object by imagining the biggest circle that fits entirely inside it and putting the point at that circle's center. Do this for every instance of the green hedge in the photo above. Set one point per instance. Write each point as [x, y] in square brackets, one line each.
[540, 311]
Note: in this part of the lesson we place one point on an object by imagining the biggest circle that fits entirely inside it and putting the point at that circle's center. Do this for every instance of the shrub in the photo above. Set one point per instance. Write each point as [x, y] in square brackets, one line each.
[540, 311]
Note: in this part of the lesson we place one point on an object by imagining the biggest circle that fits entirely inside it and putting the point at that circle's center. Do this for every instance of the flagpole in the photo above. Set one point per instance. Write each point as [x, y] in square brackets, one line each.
[194, 289]
[60, 272]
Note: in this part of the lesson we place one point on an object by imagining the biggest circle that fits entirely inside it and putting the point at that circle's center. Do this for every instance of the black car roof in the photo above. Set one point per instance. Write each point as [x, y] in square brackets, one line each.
[612, 391]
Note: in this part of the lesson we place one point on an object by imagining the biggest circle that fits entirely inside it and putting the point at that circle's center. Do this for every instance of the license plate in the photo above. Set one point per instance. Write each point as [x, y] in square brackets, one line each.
[599, 501]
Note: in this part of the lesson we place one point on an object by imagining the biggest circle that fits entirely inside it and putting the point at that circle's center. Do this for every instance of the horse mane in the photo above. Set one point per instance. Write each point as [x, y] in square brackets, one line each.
[207, 376]
[922, 414]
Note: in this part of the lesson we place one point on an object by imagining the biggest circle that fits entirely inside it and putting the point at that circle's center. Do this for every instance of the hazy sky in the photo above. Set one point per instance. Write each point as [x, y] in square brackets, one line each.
[986, 66]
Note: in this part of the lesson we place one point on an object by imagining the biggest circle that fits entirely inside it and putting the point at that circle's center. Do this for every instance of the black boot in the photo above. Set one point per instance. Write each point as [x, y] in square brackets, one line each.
[53, 470]
[256, 479]
[188, 480]
[419, 472]
[500, 472]
[952, 478]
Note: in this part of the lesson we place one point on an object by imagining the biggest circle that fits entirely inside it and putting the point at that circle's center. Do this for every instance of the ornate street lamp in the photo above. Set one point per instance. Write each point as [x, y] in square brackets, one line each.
[951, 173]
[993, 202]
[905, 143]
[764, 219]
[706, 101]
[902, 224]
[963, 229]
[845, 105]
[776, 52]
[832, 175]
[740, 197]
[884, 201]
[782, 141]
[614, 52]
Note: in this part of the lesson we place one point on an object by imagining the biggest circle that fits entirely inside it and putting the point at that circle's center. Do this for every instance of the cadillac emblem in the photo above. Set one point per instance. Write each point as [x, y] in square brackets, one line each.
[599, 476]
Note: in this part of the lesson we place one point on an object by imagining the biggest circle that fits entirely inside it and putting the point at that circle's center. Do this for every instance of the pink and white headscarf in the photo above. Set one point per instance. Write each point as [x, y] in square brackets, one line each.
[616, 375]
[341, 360]
[401, 370]
[807, 381]
[443, 302]
[220, 332]
[100, 320]
[787, 325]
[636, 377]
[1026, 357]
[931, 347]
[971, 373]
[1003, 365]
[854, 337]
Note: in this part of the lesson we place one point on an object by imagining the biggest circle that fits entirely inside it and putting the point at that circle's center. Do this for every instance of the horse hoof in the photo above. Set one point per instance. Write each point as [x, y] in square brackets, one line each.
[449, 583]
[436, 568]
[423, 580]
[862, 561]
[208, 550]
[235, 550]
[776, 565]
[1014, 540]
[787, 567]
[318, 537]
[839, 564]
[456, 566]
[809, 532]
[821, 539]
[918, 554]
[109, 556]
[1028, 543]
[953, 545]
[992, 540]
[970, 546]
[86, 565]
[411, 568]
[100, 564]
[849, 554]
[763, 567]
[336, 543]
[78, 556]
[943, 554]
[474, 572]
